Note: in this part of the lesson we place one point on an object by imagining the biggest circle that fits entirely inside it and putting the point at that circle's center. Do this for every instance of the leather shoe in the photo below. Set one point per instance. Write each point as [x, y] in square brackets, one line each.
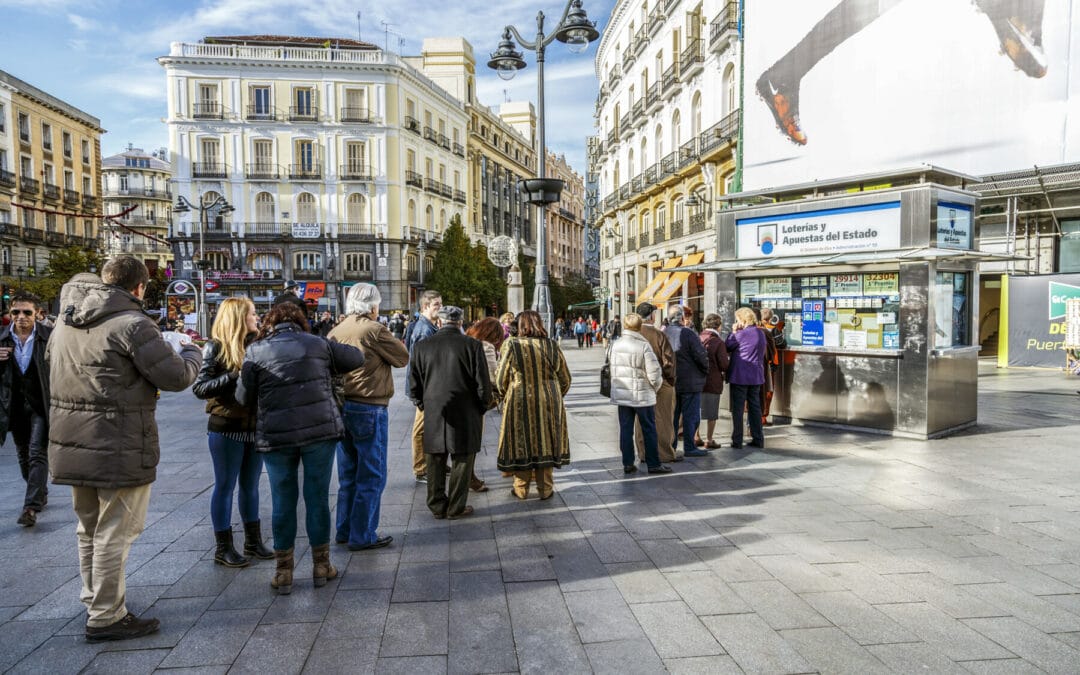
[696, 453]
[755, 444]
[660, 469]
[737, 446]
[28, 518]
[378, 543]
[629, 468]
[465, 513]
[129, 627]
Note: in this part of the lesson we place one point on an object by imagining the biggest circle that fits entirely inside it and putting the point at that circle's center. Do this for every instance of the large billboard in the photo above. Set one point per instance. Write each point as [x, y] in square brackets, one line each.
[838, 88]
[1033, 321]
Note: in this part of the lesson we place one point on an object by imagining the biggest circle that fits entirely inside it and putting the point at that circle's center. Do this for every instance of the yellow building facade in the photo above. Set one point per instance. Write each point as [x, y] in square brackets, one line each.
[50, 178]
[138, 185]
[566, 222]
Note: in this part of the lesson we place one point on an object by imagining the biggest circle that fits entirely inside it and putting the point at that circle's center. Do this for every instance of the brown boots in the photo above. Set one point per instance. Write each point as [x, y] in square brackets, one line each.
[321, 568]
[282, 581]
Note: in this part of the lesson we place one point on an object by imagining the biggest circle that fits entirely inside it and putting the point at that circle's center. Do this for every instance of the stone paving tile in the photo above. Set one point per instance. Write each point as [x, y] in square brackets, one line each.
[830, 650]
[1026, 578]
[778, 606]
[61, 653]
[575, 564]
[1030, 644]
[277, 648]
[422, 582]
[480, 637]
[544, 634]
[474, 555]
[305, 604]
[164, 569]
[63, 603]
[674, 630]
[868, 585]
[944, 633]
[525, 563]
[129, 661]
[755, 646]
[672, 555]
[798, 575]
[342, 656]
[617, 547]
[415, 629]
[703, 665]
[356, 614]
[1040, 612]
[407, 665]
[602, 616]
[1002, 667]
[624, 656]
[915, 657]
[215, 639]
[956, 601]
[732, 565]
[249, 589]
[1066, 572]
[706, 594]
[20, 638]
[856, 617]
[205, 579]
[641, 582]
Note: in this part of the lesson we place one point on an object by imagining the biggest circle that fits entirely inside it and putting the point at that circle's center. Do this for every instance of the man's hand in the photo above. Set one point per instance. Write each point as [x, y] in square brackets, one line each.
[5, 353]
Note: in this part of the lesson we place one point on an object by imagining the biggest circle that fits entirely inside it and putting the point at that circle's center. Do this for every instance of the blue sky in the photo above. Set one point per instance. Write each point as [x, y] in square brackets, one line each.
[99, 55]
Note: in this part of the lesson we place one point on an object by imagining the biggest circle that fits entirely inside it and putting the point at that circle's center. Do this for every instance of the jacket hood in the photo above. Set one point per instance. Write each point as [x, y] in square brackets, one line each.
[85, 300]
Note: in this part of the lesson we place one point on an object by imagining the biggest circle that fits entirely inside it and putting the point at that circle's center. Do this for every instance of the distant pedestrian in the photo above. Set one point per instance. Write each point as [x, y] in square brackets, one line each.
[449, 383]
[231, 433]
[691, 369]
[103, 439]
[422, 328]
[24, 399]
[717, 354]
[636, 377]
[397, 326]
[746, 373]
[286, 377]
[532, 380]
[579, 331]
[361, 454]
[323, 325]
[507, 320]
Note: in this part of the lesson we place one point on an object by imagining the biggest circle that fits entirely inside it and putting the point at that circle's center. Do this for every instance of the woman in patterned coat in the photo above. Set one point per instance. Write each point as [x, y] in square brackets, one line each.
[532, 380]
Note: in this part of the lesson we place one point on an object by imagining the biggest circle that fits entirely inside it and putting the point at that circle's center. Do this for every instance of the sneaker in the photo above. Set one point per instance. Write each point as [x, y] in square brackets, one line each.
[378, 543]
[28, 518]
[660, 469]
[696, 453]
[125, 629]
[629, 468]
[421, 478]
[783, 103]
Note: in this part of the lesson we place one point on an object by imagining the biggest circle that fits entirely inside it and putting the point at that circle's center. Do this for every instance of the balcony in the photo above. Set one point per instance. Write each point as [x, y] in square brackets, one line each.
[262, 171]
[624, 191]
[612, 139]
[637, 184]
[265, 230]
[615, 74]
[628, 58]
[652, 98]
[459, 149]
[631, 243]
[688, 153]
[724, 132]
[444, 142]
[656, 19]
[670, 5]
[309, 274]
[51, 192]
[28, 186]
[7, 178]
[669, 165]
[355, 230]
[618, 247]
[55, 238]
[262, 113]
[626, 123]
[31, 234]
[71, 196]
[303, 113]
[638, 112]
[207, 110]
[641, 39]
[692, 60]
[724, 29]
[611, 201]
[670, 78]
[659, 234]
[356, 115]
[652, 174]
[209, 170]
[676, 229]
[157, 194]
[355, 171]
[414, 179]
[697, 223]
[305, 171]
[644, 239]
[430, 135]
[412, 124]
[459, 196]
[89, 201]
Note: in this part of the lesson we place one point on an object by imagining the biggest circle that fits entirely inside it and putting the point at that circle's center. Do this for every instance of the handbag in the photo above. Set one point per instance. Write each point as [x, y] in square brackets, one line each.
[605, 374]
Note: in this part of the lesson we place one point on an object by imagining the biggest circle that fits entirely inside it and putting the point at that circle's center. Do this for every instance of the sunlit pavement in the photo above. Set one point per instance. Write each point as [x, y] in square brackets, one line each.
[829, 551]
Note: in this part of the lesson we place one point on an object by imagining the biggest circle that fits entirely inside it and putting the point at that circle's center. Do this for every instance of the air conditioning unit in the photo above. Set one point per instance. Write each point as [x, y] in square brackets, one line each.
[268, 274]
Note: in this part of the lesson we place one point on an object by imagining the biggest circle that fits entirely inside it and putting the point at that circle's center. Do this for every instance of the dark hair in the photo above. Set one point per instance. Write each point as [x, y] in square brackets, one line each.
[125, 271]
[26, 296]
[530, 324]
[286, 312]
[488, 330]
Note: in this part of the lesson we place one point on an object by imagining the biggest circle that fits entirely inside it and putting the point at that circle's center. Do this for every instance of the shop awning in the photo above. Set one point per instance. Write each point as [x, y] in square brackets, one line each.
[677, 278]
[854, 258]
[659, 280]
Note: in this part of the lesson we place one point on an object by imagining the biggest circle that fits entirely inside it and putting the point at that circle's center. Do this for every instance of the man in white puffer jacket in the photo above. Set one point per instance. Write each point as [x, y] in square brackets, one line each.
[635, 379]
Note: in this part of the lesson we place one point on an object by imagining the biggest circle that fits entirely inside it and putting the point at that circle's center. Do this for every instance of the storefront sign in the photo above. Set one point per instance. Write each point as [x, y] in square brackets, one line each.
[1033, 319]
[881, 283]
[306, 230]
[853, 228]
[813, 323]
[845, 284]
[953, 225]
[776, 287]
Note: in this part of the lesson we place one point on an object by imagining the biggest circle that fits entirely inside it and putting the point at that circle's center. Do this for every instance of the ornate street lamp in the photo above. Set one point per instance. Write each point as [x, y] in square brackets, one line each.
[576, 31]
[183, 205]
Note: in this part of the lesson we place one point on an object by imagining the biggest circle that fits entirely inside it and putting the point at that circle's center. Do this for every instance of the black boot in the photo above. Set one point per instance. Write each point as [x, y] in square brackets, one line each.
[226, 553]
[253, 543]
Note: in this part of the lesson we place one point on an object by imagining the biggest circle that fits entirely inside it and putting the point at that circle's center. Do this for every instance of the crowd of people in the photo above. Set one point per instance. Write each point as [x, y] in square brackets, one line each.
[298, 397]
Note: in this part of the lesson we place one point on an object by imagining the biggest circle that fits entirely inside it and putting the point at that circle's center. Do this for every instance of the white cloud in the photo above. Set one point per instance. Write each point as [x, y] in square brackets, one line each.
[82, 23]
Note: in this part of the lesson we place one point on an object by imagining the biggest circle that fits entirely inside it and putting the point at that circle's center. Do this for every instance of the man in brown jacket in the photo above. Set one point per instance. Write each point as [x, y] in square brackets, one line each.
[107, 360]
[665, 397]
[361, 454]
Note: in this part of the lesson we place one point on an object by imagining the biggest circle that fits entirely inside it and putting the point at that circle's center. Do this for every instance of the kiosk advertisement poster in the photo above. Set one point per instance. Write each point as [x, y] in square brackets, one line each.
[1034, 319]
[813, 323]
[817, 106]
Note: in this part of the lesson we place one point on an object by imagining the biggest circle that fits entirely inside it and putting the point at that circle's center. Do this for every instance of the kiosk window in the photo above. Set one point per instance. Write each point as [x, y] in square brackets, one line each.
[952, 309]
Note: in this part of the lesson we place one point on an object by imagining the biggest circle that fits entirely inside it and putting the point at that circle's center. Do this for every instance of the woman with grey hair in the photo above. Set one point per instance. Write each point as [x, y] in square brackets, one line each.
[361, 454]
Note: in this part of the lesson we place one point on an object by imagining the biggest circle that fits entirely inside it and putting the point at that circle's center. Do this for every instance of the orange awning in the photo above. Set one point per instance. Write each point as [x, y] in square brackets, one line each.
[676, 279]
[653, 286]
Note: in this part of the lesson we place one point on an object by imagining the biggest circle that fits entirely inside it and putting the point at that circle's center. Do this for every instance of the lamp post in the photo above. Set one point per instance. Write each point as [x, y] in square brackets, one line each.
[183, 205]
[576, 31]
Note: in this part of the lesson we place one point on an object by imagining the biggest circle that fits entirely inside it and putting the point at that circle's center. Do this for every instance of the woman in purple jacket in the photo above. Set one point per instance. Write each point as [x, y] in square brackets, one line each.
[746, 373]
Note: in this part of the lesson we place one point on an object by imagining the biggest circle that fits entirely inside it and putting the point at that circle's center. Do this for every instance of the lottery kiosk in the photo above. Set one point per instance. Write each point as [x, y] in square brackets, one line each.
[874, 292]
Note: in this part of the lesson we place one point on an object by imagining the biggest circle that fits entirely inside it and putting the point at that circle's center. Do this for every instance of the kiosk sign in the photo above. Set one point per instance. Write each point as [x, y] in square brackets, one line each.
[813, 323]
[844, 230]
[953, 225]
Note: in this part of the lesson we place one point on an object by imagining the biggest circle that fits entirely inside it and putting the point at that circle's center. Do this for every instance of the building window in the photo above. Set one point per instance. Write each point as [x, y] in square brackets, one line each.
[304, 157]
[261, 104]
[218, 260]
[46, 136]
[356, 158]
[306, 210]
[356, 106]
[47, 174]
[304, 103]
[356, 209]
[3, 118]
[69, 179]
[266, 262]
[67, 144]
[307, 261]
[264, 207]
[412, 214]
[24, 127]
[85, 152]
[358, 263]
[86, 186]
[210, 154]
[69, 226]
[124, 185]
[50, 222]
[207, 105]
[28, 219]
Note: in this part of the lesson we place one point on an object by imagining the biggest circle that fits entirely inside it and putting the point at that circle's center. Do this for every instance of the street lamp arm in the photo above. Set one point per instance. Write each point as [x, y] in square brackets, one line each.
[558, 27]
[511, 30]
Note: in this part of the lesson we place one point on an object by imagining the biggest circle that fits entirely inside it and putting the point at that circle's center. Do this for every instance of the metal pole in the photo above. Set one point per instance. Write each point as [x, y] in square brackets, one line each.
[202, 270]
[542, 294]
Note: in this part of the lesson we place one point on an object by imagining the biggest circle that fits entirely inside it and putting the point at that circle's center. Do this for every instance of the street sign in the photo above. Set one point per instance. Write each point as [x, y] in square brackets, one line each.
[180, 287]
[211, 285]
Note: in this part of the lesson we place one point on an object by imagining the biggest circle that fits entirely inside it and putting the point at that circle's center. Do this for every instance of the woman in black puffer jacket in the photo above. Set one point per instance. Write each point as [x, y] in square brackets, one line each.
[286, 378]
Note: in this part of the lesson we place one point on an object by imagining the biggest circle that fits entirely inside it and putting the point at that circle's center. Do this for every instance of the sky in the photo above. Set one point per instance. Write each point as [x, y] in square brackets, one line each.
[100, 55]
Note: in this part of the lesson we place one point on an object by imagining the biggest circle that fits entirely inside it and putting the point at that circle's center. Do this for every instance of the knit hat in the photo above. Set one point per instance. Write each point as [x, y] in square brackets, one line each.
[645, 310]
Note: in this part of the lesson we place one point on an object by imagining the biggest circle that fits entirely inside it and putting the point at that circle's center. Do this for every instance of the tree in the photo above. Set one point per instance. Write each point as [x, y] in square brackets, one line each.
[452, 272]
[490, 286]
[63, 264]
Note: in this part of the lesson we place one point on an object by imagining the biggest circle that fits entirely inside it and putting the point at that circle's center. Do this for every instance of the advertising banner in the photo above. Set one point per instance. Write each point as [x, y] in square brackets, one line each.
[813, 323]
[854, 228]
[953, 225]
[978, 87]
[1034, 321]
[306, 230]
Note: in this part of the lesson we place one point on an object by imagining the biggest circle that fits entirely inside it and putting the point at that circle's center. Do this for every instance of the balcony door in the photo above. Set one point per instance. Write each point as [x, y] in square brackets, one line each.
[264, 156]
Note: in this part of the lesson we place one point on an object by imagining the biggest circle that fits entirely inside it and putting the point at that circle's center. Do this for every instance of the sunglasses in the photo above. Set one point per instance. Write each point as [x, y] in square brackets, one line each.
[24, 312]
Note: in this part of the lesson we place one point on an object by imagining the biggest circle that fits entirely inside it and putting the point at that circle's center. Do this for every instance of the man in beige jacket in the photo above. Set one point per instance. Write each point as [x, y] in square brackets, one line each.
[665, 397]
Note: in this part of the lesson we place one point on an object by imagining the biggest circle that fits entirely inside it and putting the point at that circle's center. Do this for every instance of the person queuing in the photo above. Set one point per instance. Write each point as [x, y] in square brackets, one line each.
[231, 433]
[103, 438]
[746, 373]
[776, 341]
[449, 383]
[490, 334]
[718, 359]
[665, 396]
[361, 454]
[636, 377]
[533, 379]
[286, 377]
[24, 399]
[691, 370]
[421, 329]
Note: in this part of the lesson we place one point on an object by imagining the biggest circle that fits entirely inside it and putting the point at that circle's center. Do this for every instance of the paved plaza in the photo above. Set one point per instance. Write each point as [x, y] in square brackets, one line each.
[828, 552]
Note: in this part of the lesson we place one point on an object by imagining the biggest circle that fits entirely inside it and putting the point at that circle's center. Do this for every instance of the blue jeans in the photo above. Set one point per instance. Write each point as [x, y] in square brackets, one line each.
[746, 396]
[687, 407]
[647, 416]
[281, 466]
[361, 459]
[234, 462]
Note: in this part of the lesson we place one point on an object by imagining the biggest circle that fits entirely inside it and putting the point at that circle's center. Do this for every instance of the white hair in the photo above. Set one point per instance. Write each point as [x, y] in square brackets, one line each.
[363, 299]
